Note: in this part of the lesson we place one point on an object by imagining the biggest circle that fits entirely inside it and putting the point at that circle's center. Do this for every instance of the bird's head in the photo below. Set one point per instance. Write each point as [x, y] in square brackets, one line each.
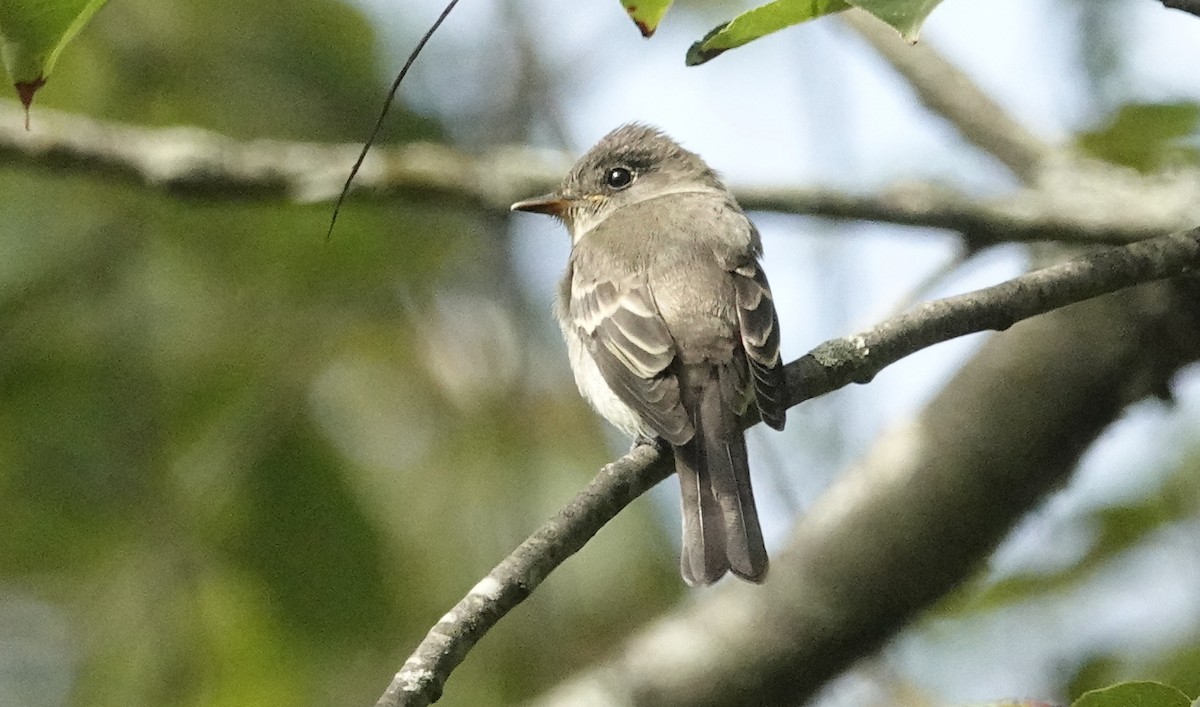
[631, 164]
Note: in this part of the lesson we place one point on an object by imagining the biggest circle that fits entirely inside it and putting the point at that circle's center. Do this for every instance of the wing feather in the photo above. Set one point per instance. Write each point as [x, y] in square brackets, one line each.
[759, 326]
[632, 348]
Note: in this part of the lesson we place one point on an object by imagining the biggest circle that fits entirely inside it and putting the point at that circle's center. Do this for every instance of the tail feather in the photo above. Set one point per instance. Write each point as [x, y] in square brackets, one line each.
[720, 528]
[703, 558]
[730, 478]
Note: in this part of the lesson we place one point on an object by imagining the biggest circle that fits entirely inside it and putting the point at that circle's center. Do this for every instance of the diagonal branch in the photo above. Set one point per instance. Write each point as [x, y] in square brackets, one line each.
[423, 675]
[857, 359]
[917, 515]
[828, 367]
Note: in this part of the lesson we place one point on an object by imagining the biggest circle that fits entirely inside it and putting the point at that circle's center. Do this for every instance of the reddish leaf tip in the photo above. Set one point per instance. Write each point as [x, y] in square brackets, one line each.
[644, 28]
[25, 90]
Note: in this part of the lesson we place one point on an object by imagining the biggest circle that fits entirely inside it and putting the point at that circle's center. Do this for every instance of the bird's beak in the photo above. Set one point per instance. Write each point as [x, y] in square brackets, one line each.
[551, 204]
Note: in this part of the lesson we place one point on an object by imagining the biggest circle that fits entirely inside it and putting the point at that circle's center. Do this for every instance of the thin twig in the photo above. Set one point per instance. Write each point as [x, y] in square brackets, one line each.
[387, 104]
[832, 365]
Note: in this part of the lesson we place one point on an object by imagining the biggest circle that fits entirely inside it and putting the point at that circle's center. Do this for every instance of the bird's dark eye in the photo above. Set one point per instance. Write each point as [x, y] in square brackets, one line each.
[618, 177]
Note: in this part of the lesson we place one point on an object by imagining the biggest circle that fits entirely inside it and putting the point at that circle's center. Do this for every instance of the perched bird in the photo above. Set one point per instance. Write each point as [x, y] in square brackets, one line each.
[671, 328]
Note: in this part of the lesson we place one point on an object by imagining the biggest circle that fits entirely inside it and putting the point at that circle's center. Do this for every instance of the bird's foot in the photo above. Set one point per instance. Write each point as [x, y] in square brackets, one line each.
[642, 440]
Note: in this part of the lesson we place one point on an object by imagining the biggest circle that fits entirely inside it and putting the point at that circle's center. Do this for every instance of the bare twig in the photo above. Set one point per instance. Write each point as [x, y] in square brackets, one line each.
[830, 366]
[387, 104]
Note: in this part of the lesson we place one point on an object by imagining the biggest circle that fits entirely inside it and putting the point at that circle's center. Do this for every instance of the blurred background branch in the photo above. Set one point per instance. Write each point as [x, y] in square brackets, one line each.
[1112, 207]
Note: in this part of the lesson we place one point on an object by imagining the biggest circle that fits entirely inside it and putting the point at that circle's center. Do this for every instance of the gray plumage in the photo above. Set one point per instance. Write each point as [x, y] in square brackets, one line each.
[671, 328]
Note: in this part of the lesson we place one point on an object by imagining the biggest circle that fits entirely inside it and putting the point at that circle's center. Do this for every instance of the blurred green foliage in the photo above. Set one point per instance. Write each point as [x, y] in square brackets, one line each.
[240, 464]
[1148, 137]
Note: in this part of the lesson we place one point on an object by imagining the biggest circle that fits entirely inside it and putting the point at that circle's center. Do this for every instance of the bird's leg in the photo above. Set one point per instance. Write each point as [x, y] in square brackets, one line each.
[642, 440]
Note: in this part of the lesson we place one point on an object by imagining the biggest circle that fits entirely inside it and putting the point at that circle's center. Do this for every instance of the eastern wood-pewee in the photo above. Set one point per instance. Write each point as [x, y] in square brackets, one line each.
[671, 328]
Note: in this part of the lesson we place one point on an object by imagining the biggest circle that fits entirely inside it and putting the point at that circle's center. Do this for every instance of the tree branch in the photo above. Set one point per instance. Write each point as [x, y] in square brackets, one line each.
[420, 680]
[195, 162]
[1121, 211]
[857, 359]
[831, 365]
[917, 515]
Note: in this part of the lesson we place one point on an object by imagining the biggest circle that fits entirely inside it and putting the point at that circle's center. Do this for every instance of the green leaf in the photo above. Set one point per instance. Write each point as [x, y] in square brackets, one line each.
[1146, 136]
[33, 34]
[759, 22]
[1134, 694]
[646, 14]
[906, 16]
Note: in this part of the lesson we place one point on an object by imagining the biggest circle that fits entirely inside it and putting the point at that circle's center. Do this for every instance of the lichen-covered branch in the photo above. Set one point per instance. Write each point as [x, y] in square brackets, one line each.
[916, 516]
[829, 366]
